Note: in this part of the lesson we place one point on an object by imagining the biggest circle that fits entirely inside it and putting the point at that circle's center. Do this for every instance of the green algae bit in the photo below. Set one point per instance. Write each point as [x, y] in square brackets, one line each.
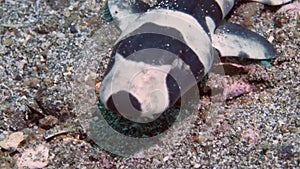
[107, 14]
[135, 129]
[266, 64]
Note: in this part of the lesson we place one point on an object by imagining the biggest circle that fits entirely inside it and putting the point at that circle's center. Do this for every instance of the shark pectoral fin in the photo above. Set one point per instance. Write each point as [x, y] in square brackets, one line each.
[124, 12]
[236, 41]
[272, 2]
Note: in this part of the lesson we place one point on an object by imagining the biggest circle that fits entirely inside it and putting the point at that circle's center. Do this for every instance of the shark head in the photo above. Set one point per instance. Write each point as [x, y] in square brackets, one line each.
[134, 88]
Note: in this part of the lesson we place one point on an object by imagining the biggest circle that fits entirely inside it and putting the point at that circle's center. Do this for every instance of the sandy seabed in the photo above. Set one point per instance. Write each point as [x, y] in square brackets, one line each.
[41, 46]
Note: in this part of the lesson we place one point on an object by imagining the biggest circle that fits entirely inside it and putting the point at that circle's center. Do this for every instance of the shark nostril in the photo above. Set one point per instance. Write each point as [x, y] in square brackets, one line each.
[124, 103]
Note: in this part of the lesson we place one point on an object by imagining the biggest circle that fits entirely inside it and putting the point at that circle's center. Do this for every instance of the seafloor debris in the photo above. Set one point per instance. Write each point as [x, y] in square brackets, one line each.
[48, 122]
[56, 131]
[250, 136]
[290, 8]
[12, 141]
[235, 89]
[34, 157]
[239, 82]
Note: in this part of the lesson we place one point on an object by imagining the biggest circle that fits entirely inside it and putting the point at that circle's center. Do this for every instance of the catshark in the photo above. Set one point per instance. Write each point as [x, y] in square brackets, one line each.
[168, 47]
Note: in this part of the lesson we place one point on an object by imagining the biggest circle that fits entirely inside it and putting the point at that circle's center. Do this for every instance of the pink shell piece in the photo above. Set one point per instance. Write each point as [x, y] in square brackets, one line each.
[290, 8]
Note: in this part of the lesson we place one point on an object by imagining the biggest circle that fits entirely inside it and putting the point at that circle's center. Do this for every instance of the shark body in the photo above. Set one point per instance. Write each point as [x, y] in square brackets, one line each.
[168, 47]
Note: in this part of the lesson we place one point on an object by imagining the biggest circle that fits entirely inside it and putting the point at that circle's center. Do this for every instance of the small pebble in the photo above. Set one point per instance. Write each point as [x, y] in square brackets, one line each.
[48, 122]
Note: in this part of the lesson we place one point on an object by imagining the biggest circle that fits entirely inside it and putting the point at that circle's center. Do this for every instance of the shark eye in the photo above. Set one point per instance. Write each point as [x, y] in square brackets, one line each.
[123, 102]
